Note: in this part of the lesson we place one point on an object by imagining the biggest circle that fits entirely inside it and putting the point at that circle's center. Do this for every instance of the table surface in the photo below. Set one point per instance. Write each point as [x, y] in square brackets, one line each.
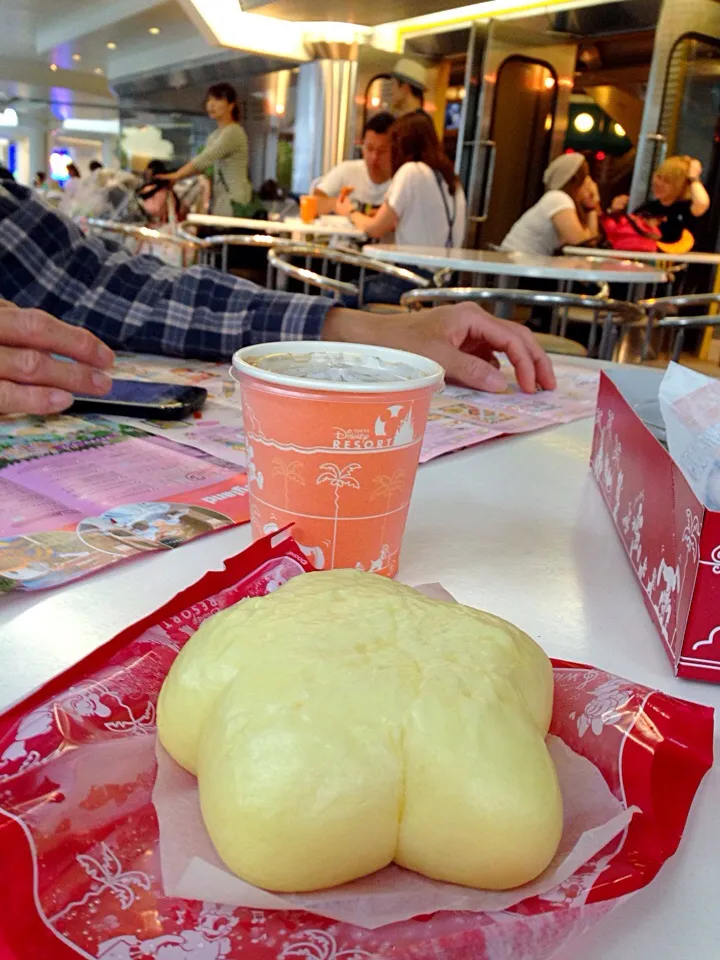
[516, 527]
[500, 263]
[646, 256]
[328, 226]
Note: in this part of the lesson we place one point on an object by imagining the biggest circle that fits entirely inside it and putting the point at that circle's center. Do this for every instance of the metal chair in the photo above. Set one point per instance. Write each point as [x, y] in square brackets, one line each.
[552, 343]
[609, 316]
[658, 308]
[439, 278]
[219, 244]
[280, 259]
[136, 237]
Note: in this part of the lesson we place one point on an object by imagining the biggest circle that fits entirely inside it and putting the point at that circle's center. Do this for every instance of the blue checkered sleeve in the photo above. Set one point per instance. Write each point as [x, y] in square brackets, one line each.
[138, 303]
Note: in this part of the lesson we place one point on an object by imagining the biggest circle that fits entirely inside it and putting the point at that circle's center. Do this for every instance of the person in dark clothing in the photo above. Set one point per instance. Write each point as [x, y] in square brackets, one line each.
[680, 200]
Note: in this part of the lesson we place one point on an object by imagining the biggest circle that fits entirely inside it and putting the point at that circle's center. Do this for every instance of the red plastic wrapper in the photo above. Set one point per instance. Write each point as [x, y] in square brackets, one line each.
[79, 833]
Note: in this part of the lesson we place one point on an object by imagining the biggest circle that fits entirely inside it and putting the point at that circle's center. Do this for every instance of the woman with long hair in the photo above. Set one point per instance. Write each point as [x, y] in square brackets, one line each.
[566, 214]
[680, 199]
[226, 151]
[425, 204]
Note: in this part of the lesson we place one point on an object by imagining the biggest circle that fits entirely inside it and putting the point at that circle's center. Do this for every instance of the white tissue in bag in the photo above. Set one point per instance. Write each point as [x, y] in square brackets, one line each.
[690, 405]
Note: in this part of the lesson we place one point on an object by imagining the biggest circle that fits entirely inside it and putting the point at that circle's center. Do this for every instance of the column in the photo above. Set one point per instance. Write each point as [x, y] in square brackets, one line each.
[324, 115]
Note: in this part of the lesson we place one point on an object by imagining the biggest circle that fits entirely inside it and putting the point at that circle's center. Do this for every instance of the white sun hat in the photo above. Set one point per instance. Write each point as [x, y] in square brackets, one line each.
[412, 72]
[562, 170]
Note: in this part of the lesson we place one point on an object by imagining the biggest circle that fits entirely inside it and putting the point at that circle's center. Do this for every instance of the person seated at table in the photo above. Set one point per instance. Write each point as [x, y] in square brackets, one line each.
[566, 214]
[49, 269]
[425, 204]
[680, 200]
[157, 196]
[365, 181]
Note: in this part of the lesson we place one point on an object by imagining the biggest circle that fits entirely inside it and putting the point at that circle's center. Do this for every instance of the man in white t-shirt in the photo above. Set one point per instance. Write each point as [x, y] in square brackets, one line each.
[365, 181]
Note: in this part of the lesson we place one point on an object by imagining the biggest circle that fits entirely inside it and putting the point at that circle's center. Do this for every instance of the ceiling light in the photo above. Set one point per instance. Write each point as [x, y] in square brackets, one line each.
[154, 30]
[584, 122]
[76, 57]
[549, 82]
[53, 67]
[98, 70]
[280, 109]
[618, 130]
[111, 45]
[111, 126]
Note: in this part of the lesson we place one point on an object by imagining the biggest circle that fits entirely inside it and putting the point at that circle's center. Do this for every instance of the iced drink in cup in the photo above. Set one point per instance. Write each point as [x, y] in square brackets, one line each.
[308, 208]
[333, 437]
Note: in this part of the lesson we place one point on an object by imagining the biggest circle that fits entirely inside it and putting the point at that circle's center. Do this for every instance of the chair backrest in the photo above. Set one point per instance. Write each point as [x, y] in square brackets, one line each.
[219, 243]
[620, 310]
[178, 251]
[281, 258]
[657, 307]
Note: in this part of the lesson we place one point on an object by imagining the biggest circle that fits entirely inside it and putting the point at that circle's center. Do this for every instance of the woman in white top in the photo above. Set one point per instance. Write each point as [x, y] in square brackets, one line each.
[566, 215]
[425, 204]
[226, 151]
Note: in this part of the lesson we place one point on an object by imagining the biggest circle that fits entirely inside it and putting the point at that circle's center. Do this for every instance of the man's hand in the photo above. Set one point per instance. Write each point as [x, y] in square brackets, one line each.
[619, 204]
[343, 204]
[31, 380]
[463, 338]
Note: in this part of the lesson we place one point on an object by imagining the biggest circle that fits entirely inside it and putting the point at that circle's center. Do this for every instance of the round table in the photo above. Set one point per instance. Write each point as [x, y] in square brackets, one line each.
[498, 263]
[648, 256]
[516, 527]
[328, 226]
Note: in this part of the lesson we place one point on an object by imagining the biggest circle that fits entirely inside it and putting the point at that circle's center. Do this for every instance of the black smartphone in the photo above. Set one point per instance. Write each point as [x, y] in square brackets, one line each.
[150, 401]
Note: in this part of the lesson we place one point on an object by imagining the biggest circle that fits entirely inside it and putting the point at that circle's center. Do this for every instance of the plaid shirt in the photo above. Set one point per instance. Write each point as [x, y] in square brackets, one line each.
[138, 303]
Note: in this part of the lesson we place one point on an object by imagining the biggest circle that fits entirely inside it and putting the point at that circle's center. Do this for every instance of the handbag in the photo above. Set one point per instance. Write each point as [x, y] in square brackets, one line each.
[628, 231]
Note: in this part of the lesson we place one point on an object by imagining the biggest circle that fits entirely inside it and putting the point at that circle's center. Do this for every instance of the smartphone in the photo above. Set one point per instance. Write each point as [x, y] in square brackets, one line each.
[150, 401]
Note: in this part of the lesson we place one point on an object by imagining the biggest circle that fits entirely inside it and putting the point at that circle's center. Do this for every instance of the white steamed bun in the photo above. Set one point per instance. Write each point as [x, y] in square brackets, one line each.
[346, 721]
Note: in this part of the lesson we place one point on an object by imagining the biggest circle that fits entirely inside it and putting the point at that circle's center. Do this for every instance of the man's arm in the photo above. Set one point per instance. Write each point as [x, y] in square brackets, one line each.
[136, 302]
[329, 189]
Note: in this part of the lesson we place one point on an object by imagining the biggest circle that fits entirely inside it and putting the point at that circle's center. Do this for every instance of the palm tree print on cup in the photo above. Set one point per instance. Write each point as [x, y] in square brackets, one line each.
[338, 477]
[386, 487]
[291, 473]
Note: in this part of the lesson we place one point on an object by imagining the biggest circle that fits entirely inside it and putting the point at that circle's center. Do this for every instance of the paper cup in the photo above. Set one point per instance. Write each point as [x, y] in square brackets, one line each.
[338, 459]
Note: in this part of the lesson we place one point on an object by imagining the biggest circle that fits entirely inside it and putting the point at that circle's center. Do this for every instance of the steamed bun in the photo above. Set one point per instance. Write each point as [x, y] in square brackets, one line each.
[346, 721]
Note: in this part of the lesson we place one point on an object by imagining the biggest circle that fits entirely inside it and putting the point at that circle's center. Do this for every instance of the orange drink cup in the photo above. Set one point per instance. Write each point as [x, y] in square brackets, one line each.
[333, 437]
[308, 209]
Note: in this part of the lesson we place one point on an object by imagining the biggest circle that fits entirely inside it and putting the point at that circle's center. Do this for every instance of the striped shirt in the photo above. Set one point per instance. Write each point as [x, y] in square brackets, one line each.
[226, 152]
[137, 302]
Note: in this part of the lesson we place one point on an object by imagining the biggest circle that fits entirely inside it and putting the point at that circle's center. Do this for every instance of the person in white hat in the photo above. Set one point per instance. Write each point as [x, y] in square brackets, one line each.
[408, 86]
[566, 215]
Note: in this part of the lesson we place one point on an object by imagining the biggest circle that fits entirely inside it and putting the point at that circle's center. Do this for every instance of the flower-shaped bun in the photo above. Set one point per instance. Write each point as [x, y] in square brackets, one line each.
[346, 721]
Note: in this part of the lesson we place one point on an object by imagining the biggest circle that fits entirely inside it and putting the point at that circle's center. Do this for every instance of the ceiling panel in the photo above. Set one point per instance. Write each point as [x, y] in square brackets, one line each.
[131, 34]
[369, 12]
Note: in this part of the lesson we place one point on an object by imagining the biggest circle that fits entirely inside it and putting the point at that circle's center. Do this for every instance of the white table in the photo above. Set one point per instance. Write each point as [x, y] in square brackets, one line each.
[648, 256]
[326, 226]
[502, 264]
[515, 526]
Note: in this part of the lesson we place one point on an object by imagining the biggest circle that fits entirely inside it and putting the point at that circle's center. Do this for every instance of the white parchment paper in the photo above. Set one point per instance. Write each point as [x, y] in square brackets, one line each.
[192, 869]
